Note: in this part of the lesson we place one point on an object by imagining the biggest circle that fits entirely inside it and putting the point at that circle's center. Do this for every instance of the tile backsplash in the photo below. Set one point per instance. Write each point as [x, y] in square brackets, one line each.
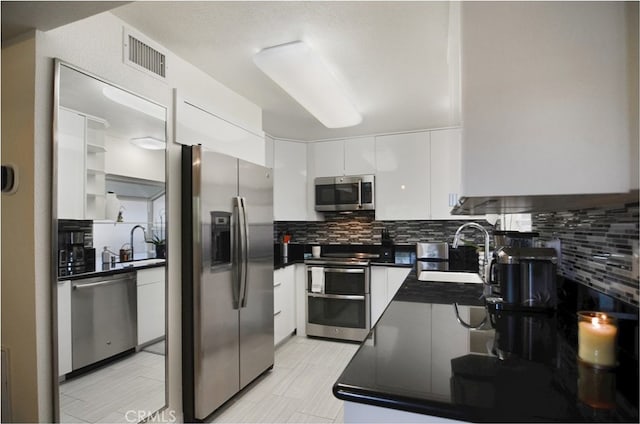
[596, 247]
[362, 228]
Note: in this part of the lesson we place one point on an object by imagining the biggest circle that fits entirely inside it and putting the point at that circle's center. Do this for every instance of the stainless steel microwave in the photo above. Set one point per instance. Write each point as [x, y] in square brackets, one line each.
[348, 193]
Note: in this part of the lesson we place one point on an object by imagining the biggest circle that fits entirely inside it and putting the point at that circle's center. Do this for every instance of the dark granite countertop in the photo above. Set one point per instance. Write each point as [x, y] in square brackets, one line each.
[280, 262]
[118, 268]
[515, 367]
[392, 264]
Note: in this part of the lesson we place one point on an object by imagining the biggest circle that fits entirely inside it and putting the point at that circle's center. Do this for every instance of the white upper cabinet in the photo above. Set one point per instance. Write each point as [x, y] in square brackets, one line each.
[553, 111]
[360, 156]
[402, 176]
[289, 181]
[268, 152]
[446, 173]
[326, 158]
[71, 164]
[356, 156]
[199, 123]
[81, 166]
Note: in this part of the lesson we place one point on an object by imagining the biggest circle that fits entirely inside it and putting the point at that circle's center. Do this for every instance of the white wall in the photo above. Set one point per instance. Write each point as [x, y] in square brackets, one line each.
[95, 45]
[124, 158]
[25, 306]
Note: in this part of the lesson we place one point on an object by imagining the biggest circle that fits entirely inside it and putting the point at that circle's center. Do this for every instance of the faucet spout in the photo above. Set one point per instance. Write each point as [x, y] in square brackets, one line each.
[144, 234]
[487, 238]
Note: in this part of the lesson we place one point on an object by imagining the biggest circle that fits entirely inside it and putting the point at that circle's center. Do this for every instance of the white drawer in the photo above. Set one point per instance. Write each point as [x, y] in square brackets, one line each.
[278, 297]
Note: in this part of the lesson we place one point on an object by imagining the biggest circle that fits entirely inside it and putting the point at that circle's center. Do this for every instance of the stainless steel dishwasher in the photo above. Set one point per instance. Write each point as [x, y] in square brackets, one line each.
[103, 317]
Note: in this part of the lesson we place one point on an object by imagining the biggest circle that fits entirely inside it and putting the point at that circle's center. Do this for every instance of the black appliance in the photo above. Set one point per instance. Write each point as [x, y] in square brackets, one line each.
[387, 250]
[76, 254]
[526, 277]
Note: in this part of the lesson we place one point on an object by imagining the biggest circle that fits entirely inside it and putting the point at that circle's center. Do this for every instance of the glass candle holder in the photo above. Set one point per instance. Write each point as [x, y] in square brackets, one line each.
[596, 386]
[597, 334]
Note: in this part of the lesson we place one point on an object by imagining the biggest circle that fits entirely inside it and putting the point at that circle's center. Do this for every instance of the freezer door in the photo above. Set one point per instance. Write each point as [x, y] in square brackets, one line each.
[216, 317]
[256, 313]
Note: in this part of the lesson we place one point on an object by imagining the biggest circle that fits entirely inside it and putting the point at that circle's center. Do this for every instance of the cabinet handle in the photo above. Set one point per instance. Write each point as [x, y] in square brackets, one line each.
[277, 313]
[277, 285]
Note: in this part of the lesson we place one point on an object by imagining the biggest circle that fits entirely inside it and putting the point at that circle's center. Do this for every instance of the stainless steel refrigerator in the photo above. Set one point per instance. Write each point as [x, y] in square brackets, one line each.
[227, 277]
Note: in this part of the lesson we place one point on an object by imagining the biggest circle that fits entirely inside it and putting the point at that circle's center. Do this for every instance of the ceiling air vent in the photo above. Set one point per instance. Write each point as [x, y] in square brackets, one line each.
[140, 54]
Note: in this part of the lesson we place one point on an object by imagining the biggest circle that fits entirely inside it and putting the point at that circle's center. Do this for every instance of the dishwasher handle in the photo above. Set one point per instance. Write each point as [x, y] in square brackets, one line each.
[100, 283]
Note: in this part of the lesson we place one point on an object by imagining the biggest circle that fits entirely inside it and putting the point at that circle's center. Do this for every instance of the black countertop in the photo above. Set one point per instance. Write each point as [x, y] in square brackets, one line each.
[516, 367]
[117, 268]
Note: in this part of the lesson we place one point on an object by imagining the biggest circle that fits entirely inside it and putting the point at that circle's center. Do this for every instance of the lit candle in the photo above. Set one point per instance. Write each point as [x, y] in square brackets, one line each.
[597, 338]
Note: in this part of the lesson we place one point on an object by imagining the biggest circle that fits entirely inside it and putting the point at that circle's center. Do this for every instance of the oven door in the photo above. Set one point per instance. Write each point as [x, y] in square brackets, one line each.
[343, 280]
[338, 316]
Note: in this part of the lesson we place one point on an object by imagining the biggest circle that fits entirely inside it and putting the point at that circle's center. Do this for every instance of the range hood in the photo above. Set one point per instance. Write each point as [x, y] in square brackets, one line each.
[541, 203]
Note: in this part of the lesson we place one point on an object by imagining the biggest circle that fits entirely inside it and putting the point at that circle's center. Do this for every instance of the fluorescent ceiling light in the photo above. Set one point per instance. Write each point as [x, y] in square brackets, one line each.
[295, 68]
[149, 143]
[134, 102]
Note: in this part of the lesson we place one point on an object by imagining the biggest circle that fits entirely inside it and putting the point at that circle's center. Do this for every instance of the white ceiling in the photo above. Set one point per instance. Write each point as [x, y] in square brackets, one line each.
[392, 57]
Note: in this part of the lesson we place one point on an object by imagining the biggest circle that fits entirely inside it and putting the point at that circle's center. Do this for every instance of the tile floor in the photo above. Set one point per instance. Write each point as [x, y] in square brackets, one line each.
[105, 395]
[297, 390]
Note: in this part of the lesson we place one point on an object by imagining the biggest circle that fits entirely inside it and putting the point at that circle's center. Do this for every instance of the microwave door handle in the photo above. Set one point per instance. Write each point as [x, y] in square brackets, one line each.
[359, 193]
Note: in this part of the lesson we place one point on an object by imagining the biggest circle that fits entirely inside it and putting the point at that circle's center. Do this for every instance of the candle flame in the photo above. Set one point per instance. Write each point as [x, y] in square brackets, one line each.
[595, 322]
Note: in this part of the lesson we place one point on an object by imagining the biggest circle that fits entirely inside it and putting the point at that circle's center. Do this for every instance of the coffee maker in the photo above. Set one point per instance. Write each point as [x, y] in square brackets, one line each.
[76, 254]
[525, 278]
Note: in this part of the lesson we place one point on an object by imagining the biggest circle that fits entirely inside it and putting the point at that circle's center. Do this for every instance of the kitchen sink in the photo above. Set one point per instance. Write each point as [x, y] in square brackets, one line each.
[450, 277]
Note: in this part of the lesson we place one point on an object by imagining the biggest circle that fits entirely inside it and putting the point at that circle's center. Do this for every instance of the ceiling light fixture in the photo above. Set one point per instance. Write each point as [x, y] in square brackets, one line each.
[134, 102]
[295, 68]
[149, 143]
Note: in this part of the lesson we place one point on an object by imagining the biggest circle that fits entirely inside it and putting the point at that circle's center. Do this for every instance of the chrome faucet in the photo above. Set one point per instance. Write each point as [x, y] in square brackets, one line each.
[487, 238]
[144, 234]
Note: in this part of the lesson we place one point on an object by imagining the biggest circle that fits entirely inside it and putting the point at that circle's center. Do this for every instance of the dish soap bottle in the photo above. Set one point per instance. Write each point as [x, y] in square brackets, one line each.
[106, 256]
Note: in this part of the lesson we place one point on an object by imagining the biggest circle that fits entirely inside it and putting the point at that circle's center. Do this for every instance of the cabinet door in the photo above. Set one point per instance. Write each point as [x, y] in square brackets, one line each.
[278, 301]
[151, 301]
[283, 303]
[290, 181]
[402, 176]
[268, 149]
[327, 158]
[378, 292]
[360, 156]
[395, 278]
[71, 164]
[300, 283]
[64, 328]
[551, 128]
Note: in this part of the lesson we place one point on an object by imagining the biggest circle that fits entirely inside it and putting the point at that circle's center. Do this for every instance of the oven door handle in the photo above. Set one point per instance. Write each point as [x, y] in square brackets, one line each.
[345, 270]
[336, 296]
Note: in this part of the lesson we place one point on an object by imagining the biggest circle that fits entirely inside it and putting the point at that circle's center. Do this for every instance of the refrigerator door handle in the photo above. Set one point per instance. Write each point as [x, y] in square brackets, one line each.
[244, 283]
[236, 257]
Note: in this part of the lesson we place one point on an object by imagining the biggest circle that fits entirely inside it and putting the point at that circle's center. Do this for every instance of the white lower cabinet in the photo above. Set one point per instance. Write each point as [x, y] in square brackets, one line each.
[385, 282]
[151, 301]
[301, 299]
[64, 327]
[378, 289]
[284, 309]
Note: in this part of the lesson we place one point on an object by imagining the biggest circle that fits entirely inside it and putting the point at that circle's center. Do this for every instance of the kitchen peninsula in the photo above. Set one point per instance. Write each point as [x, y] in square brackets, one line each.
[427, 361]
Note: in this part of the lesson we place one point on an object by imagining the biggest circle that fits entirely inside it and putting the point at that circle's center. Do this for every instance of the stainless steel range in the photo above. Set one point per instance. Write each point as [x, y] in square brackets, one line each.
[338, 296]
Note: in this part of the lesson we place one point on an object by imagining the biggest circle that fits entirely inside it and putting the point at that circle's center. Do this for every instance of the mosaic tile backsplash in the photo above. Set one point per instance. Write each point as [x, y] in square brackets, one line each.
[362, 228]
[596, 247]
